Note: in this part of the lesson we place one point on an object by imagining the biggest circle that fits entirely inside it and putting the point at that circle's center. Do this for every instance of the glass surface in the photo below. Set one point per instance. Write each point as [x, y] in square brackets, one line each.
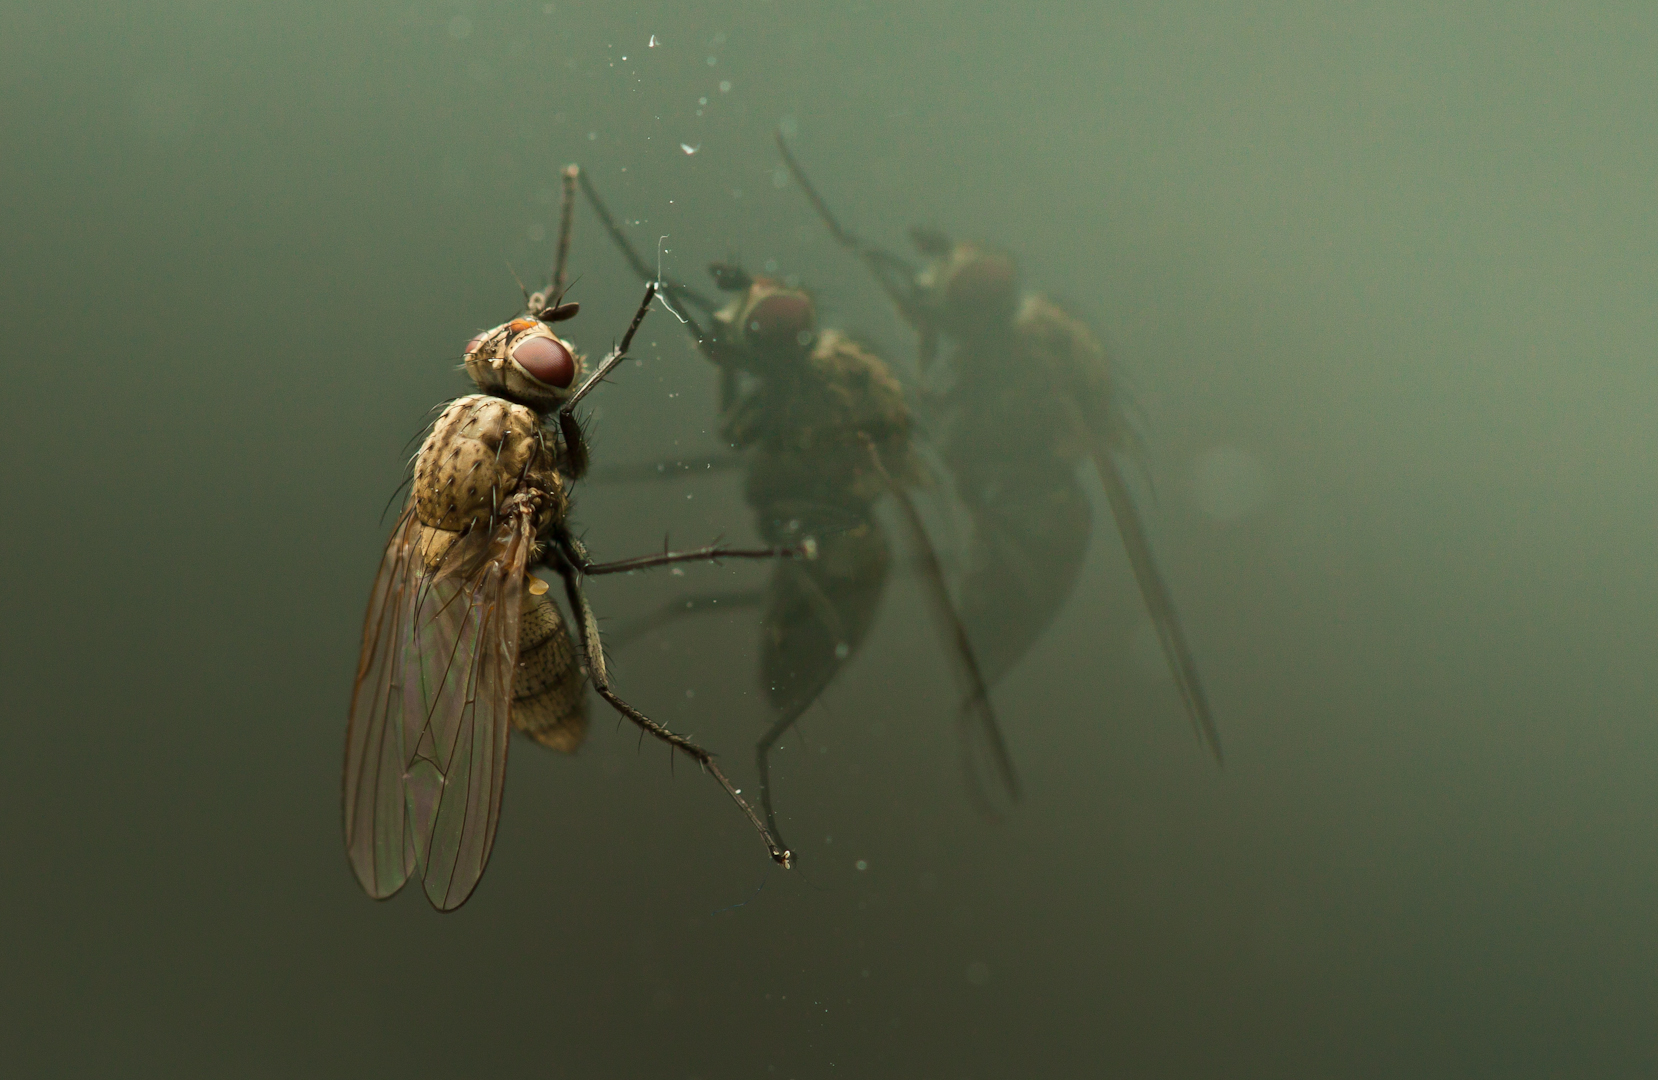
[1378, 278]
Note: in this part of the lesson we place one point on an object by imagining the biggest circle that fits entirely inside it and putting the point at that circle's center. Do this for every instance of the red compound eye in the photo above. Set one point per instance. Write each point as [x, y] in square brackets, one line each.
[779, 319]
[547, 360]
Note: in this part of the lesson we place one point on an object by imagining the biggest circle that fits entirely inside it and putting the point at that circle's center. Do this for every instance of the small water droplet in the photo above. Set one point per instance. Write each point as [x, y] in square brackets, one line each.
[860, 865]
[725, 86]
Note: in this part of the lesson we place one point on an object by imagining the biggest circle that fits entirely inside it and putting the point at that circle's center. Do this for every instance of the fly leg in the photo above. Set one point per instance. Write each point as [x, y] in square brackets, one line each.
[575, 441]
[712, 553]
[815, 622]
[769, 741]
[894, 274]
[593, 649]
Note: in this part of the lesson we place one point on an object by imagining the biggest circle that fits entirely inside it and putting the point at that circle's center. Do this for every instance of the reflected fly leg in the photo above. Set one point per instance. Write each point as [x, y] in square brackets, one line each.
[818, 615]
[768, 741]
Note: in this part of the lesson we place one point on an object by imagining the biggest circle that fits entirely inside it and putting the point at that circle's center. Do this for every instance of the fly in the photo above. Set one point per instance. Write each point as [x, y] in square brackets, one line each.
[1060, 406]
[461, 641]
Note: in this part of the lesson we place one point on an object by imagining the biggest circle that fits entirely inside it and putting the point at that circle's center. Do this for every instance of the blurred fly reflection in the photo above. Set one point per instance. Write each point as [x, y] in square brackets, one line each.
[822, 431]
[1031, 397]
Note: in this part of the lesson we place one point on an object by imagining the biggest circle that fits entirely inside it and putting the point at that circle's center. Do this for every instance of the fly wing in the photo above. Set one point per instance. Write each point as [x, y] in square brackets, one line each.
[983, 747]
[376, 837]
[1159, 600]
[458, 701]
[427, 744]
[981, 736]
[1070, 352]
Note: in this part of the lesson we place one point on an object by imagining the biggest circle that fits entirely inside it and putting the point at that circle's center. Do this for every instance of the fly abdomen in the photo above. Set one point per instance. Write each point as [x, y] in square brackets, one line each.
[549, 693]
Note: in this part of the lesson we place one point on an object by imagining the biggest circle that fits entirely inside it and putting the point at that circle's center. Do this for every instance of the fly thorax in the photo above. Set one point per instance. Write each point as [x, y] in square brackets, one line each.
[482, 451]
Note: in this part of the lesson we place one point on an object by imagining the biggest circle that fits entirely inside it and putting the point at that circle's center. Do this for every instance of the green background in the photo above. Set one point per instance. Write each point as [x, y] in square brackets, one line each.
[1394, 262]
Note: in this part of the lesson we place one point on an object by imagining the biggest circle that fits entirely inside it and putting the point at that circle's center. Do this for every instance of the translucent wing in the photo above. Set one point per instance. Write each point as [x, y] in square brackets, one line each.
[426, 744]
[982, 743]
[983, 748]
[1159, 600]
[1069, 350]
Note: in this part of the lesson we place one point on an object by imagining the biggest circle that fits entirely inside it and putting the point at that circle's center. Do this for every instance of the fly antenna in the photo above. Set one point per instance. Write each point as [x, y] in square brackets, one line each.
[566, 226]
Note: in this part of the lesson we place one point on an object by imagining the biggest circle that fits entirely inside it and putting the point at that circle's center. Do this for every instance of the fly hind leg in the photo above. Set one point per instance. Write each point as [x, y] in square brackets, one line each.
[593, 650]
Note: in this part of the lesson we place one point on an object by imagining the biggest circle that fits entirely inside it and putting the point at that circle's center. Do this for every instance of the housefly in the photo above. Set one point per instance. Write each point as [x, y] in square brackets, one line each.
[462, 642]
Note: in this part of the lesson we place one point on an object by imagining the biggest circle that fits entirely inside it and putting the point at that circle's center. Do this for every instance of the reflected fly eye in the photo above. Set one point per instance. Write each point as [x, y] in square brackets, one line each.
[547, 361]
[476, 342]
[779, 319]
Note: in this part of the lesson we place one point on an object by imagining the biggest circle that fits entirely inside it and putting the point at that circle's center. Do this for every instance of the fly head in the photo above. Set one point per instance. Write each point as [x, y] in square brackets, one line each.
[524, 361]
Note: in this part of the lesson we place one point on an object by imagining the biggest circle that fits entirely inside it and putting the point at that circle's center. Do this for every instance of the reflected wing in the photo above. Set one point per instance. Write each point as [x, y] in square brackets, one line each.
[1159, 601]
[426, 743]
[981, 736]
